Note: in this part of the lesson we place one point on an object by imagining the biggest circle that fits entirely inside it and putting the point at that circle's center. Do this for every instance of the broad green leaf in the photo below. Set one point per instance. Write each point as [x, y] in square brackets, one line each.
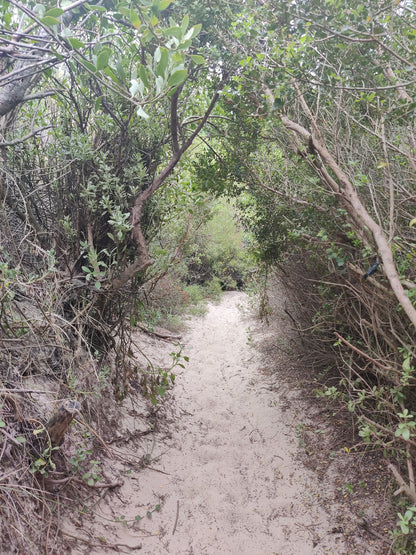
[102, 59]
[49, 21]
[54, 12]
[147, 36]
[163, 63]
[185, 45]
[94, 8]
[89, 65]
[199, 60]
[185, 23]
[154, 21]
[412, 223]
[143, 76]
[142, 113]
[406, 364]
[120, 70]
[135, 19]
[196, 29]
[132, 16]
[177, 78]
[110, 73]
[174, 32]
[75, 43]
[164, 4]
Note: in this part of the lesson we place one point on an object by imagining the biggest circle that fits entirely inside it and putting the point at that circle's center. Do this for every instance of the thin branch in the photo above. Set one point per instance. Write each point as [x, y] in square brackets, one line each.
[26, 137]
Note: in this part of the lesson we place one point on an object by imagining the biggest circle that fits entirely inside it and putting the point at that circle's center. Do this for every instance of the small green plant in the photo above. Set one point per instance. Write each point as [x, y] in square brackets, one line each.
[405, 429]
[348, 487]
[93, 474]
[156, 381]
[249, 340]
[82, 463]
[124, 521]
[44, 463]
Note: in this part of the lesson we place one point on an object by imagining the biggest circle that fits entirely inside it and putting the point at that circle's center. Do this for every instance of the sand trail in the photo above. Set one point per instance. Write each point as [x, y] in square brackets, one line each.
[225, 474]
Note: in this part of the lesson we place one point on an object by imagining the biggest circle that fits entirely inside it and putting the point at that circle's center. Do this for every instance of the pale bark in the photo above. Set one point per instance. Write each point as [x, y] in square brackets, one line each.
[355, 207]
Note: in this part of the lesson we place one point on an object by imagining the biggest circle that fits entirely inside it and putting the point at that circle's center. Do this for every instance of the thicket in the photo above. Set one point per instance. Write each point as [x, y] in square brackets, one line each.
[333, 177]
[126, 128]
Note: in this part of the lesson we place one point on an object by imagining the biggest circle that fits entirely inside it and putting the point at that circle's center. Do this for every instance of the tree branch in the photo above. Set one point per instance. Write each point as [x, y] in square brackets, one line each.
[359, 213]
[26, 137]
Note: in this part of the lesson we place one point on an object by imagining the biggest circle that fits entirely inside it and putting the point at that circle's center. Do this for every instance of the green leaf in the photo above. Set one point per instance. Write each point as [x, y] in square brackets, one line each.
[110, 73]
[193, 32]
[93, 8]
[143, 76]
[49, 21]
[137, 517]
[89, 65]
[75, 43]
[177, 78]
[185, 23]
[185, 45]
[406, 364]
[412, 223]
[163, 63]
[174, 32]
[198, 60]
[120, 70]
[54, 12]
[164, 4]
[135, 19]
[102, 59]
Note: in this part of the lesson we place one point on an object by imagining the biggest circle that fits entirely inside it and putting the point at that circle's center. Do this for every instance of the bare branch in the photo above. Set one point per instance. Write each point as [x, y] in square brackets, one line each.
[26, 137]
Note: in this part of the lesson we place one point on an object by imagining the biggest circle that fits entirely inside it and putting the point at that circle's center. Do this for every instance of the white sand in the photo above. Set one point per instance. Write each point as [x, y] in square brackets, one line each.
[233, 484]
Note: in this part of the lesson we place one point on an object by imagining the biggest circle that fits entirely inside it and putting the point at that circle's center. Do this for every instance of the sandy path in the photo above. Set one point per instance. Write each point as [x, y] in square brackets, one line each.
[232, 482]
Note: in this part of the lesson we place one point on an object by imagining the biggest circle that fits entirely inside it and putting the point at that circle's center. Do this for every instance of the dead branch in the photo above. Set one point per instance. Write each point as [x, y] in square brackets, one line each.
[404, 488]
[359, 213]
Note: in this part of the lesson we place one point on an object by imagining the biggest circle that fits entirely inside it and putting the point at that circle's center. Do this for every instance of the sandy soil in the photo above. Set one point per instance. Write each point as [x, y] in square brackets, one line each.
[223, 471]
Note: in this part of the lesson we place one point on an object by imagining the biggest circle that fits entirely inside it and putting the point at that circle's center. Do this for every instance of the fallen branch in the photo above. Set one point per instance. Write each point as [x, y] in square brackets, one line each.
[159, 332]
[362, 353]
[102, 544]
[177, 517]
[69, 479]
[404, 488]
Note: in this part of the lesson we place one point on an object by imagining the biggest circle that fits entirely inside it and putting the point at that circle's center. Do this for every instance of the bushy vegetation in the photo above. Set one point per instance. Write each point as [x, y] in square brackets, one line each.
[152, 153]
